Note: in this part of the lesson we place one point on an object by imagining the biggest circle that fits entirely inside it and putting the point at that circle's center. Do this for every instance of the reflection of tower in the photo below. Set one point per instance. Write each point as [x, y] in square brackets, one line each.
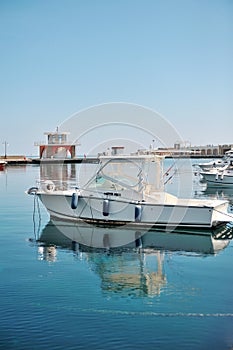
[131, 274]
[60, 174]
[155, 280]
[57, 146]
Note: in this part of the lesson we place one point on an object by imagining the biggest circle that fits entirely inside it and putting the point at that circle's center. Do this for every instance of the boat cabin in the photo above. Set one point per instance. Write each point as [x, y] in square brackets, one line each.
[141, 175]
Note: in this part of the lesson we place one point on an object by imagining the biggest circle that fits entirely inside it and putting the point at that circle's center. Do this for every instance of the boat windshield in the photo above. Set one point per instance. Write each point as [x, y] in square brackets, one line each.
[138, 174]
[127, 173]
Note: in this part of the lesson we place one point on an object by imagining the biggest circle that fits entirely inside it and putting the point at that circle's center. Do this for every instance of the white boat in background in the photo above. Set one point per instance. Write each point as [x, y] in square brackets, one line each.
[218, 177]
[227, 160]
[129, 190]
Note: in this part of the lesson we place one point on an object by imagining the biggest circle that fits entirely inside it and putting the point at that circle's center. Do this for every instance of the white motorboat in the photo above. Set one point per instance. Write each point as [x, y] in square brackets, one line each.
[217, 163]
[218, 177]
[129, 190]
[227, 160]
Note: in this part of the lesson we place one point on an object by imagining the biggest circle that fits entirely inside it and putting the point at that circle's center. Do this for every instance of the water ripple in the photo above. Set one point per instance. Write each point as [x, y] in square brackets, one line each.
[140, 313]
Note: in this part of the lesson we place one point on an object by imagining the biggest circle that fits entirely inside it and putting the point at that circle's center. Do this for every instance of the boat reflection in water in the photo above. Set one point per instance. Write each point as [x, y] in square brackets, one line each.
[127, 261]
[219, 193]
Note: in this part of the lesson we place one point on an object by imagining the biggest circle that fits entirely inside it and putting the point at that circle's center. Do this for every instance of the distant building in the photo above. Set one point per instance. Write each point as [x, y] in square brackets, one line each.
[208, 150]
[181, 149]
[57, 146]
[117, 150]
[212, 150]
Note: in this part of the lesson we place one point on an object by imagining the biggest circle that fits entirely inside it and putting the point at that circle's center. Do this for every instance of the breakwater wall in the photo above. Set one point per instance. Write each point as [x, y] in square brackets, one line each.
[23, 160]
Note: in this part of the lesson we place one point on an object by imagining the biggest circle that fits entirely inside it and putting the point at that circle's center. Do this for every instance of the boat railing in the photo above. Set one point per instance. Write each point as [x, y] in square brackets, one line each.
[50, 185]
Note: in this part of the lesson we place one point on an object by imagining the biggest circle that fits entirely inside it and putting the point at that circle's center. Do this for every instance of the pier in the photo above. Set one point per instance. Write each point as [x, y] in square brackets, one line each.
[23, 160]
[58, 150]
[87, 160]
[14, 160]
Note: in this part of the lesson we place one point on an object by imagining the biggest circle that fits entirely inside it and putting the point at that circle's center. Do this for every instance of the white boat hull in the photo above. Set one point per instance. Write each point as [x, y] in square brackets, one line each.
[211, 165]
[182, 213]
[215, 179]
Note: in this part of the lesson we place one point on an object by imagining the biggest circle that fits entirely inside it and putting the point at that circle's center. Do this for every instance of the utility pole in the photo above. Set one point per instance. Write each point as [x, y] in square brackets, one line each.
[5, 147]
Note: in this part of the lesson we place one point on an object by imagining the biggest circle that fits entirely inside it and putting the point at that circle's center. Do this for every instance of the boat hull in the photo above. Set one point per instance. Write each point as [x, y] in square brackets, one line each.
[214, 179]
[212, 165]
[120, 212]
[2, 165]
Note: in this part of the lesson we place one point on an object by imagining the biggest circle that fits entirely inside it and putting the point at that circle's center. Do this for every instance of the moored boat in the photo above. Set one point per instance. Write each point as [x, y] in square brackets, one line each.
[218, 177]
[226, 161]
[129, 190]
[2, 164]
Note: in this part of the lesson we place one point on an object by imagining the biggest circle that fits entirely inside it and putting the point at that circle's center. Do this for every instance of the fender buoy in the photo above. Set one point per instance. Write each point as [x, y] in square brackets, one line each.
[105, 207]
[48, 186]
[138, 213]
[74, 201]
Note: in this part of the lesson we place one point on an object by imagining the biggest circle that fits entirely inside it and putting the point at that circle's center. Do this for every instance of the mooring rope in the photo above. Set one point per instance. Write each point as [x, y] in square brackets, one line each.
[36, 210]
[221, 212]
[170, 177]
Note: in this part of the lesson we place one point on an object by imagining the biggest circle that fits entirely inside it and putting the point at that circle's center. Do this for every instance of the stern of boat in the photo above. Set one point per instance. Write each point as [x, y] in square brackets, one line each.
[220, 213]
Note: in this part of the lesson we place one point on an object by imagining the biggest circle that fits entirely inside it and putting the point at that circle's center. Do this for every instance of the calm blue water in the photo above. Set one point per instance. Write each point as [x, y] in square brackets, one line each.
[54, 295]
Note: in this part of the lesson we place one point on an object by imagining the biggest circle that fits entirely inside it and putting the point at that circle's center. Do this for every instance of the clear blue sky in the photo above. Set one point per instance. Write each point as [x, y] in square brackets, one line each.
[60, 56]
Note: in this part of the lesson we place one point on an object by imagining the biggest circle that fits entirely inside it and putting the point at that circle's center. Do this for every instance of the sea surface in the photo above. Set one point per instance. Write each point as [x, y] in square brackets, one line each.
[162, 291]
